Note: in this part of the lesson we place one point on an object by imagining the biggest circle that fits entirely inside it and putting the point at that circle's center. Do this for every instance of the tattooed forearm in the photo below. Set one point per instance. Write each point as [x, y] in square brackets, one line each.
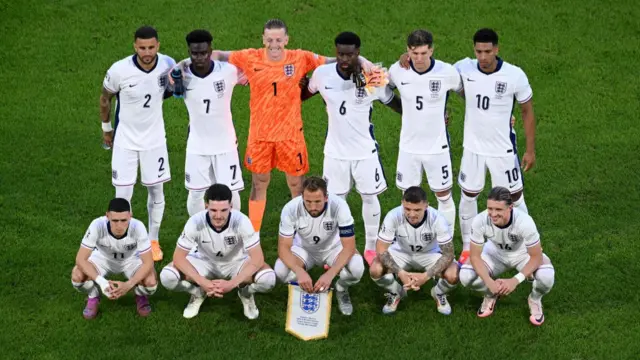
[443, 262]
[388, 263]
[105, 105]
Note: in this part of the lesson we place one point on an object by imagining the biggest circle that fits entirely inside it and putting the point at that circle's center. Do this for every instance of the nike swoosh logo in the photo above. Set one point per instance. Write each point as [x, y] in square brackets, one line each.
[206, 242]
[466, 218]
[377, 186]
[234, 183]
[444, 182]
[376, 214]
[133, 85]
[160, 175]
[302, 228]
[512, 186]
[188, 89]
[470, 80]
[404, 83]
[256, 69]
[326, 87]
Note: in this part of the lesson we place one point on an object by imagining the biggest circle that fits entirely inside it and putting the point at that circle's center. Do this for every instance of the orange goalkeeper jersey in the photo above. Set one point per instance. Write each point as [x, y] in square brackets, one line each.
[275, 102]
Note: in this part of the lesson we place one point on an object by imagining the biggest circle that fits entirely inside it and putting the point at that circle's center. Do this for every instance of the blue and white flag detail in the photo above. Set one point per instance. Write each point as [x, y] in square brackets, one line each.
[308, 315]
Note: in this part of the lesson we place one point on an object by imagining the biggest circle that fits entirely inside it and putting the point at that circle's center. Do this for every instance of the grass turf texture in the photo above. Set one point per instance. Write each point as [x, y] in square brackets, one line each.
[580, 57]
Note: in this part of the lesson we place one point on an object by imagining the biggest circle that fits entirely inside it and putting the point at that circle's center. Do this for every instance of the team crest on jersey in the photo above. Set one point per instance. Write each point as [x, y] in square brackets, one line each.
[230, 240]
[131, 246]
[434, 86]
[361, 93]
[309, 303]
[501, 87]
[289, 69]
[427, 237]
[162, 81]
[187, 177]
[114, 174]
[219, 86]
[328, 225]
[399, 176]
[463, 177]
[514, 238]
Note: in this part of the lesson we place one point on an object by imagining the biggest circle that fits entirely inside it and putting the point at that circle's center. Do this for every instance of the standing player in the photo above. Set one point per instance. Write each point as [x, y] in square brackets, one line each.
[323, 229]
[504, 238]
[115, 244]
[218, 243]
[415, 236]
[212, 147]
[276, 138]
[139, 82]
[424, 141]
[491, 88]
[351, 151]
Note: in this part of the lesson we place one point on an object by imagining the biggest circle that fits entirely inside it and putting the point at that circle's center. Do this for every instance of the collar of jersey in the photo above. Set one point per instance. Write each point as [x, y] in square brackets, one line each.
[211, 66]
[498, 67]
[135, 62]
[213, 228]
[433, 63]
[426, 213]
[340, 74]
[113, 236]
[507, 224]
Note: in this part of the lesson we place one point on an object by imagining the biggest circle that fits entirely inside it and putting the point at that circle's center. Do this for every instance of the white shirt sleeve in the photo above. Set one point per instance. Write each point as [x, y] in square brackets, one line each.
[444, 235]
[384, 94]
[90, 239]
[388, 229]
[189, 237]
[313, 83]
[345, 221]
[530, 233]
[112, 80]
[142, 238]
[523, 90]
[250, 237]
[455, 80]
[287, 223]
[477, 229]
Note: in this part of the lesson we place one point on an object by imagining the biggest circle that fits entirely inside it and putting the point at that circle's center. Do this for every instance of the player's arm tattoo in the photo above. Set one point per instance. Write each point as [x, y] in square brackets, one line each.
[105, 105]
[444, 261]
[395, 104]
[388, 262]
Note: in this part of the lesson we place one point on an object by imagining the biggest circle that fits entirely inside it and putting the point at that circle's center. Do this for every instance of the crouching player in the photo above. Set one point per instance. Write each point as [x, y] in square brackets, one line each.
[323, 229]
[512, 242]
[218, 252]
[415, 236]
[115, 244]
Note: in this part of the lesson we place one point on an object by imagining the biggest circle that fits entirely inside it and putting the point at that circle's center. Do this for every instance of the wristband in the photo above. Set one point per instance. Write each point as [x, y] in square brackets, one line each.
[106, 126]
[520, 277]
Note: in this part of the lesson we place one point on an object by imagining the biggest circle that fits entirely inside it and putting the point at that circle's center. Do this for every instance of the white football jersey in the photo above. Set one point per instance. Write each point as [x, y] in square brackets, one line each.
[489, 102]
[512, 239]
[230, 244]
[350, 131]
[139, 97]
[415, 239]
[208, 100]
[99, 236]
[424, 98]
[321, 233]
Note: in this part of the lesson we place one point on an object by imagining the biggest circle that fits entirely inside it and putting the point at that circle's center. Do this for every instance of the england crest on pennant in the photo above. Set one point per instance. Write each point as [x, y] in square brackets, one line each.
[308, 314]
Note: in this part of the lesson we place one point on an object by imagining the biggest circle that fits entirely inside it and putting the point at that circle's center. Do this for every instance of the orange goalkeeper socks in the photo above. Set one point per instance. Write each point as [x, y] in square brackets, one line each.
[256, 212]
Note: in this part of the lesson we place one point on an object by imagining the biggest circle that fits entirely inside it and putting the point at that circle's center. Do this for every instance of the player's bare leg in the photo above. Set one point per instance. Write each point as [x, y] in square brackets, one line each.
[82, 283]
[447, 207]
[468, 210]
[155, 207]
[295, 184]
[387, 281]
[518, 201]
[147, 287]
[258, 198]
[263, 281]
[445, 284]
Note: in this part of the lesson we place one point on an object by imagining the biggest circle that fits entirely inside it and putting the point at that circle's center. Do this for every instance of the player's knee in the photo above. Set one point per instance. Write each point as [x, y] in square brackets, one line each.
[281, 271]
[355, 269]
[545, 278]
[369, 199]
[451, 275]
[77, 276]
[516, 196]
[471, 196]
[375, 271]
[156, 193]
[169, 278]
[467, 276]
[265, 280]
[150, 281]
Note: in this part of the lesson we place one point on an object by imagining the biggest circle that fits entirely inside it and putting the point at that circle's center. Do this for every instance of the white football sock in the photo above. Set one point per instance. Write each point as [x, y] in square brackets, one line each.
[125, 192]
[520, 205]
[468, 210]
[444, 287]
[195, 201]
[371, 217]
[88, 287]
[236, 202]
[447, 207]
[389, 283]
[155, 207]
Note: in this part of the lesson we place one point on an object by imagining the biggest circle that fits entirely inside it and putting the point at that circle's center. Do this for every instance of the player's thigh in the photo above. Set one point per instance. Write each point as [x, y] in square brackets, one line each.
[408, 170]
[337, 174]
[424, 261]
[131, 266]
[368, 176]
[403, 260]
[439, 171]
[154, 166]
[228, 270]
[203, 266]
[260, 156]
[104, 266]
[496, 262]
[124, 166]
[505, 172]
[228, 171]
[472, 172]
[198, 172]
[292, 157]
[308, 260]
[520, 261]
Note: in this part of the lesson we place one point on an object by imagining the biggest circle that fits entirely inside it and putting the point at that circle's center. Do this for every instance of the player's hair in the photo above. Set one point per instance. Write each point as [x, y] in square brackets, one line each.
[348, 38]
[500, 193]
[419, 38]
[119, 205]
[199, 36]
[315, 183]
[276, 24]
[414, 195]
[485, 35]
[145, 32]
[218, 192]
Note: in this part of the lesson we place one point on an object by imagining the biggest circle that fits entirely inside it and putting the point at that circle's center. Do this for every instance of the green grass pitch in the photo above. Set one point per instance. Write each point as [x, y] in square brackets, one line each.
[581, 58]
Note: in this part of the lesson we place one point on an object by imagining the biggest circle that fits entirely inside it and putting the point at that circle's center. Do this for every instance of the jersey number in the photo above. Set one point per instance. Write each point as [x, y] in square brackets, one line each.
[377, 177]
[505, 247]
[316, 239]
[161, 162]
[416, 248]
[445, 172]
[275, 89]
[343, 110]
[419, 102]
[118, 255]
[219, 254]
[146, 103]
[207, 102]
[233, 168]
[483, 102]
[512, 175]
